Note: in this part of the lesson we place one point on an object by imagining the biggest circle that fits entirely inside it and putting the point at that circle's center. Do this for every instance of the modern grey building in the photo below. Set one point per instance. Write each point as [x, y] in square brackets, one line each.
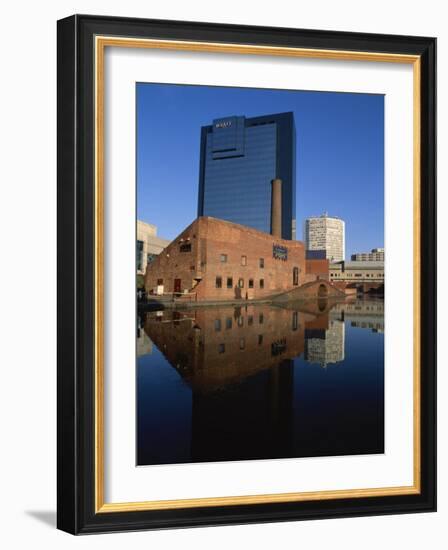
[239, 159]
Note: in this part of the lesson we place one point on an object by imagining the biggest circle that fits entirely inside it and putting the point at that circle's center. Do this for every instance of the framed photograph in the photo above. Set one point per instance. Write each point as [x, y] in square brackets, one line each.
[246, 274]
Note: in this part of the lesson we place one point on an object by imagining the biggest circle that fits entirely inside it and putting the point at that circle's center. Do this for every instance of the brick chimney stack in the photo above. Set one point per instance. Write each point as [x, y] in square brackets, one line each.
[276, 208]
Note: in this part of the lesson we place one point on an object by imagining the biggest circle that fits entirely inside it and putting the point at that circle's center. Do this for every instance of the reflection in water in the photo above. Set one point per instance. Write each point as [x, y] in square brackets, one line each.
[234, 383]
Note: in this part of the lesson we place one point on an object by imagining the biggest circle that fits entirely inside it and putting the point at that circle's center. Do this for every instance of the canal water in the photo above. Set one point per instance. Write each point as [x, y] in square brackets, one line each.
[260, 381]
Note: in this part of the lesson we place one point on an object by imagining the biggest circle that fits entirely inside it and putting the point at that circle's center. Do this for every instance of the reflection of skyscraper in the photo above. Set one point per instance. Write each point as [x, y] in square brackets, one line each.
[253, 426]
[326, 234]
[239, 159]
[326, 346]
[215, 348]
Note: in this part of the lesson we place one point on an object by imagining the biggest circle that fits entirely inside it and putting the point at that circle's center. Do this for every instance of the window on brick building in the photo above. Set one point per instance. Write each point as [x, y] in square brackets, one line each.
[242, 343]
[185, 247]
[262, 263]
[218, 282]
[243, 260]
[159, 282]
[250, 320]
[261, 283]
[260, 339]
[229, 282]
[251, 283]
[223, 258]
[295, 276]
[241, 283]
[240, 321]
[229, 322]
[261, 319]
[217, 325]
[221, 348]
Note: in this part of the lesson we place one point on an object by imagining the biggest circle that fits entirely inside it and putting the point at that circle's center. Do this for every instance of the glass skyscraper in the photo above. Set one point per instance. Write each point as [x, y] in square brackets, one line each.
[239, 158]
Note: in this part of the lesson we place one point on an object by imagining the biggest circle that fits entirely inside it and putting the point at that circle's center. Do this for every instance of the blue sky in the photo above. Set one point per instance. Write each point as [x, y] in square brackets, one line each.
[339, 157]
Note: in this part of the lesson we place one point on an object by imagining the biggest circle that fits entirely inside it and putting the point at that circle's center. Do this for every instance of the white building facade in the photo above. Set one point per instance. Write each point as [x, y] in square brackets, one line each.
[361, 272]
[376, 255]
[149, 245]
[326, 233]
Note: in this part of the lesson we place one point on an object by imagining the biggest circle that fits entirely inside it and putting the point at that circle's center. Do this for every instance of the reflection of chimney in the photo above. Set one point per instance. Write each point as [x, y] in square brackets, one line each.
[276, 208]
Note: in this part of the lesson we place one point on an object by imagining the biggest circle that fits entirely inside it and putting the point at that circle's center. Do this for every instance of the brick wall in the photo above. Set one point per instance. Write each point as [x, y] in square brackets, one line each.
[318, 268]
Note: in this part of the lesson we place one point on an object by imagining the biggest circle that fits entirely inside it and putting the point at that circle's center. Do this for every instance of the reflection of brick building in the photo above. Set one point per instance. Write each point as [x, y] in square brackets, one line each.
[215, 347]
[220, 260]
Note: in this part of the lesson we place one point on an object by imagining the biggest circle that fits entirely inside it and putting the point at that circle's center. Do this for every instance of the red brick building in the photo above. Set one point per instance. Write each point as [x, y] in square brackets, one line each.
[219, 260]
[318, 268]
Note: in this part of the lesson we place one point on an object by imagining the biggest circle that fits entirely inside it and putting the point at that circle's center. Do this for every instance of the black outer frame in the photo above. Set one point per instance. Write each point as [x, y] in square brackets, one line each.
[75, 403]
